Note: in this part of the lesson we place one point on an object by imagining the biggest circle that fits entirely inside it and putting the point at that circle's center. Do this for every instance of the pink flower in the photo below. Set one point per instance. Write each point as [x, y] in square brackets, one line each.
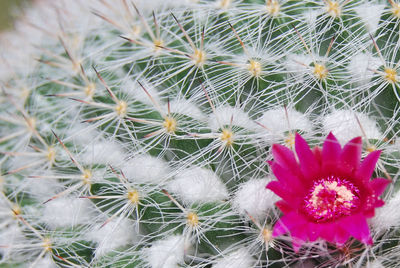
[326, 193]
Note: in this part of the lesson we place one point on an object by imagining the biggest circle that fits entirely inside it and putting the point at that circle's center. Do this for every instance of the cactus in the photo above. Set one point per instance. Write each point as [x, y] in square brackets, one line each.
[152, 134]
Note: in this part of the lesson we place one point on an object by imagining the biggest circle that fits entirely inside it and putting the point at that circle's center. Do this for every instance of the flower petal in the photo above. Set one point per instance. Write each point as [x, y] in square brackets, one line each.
[351, 154]
[367, 167]
[286, 177]
[283, 206]
[309, 165]
[299, 236]
[357, 226]
[284, 156]
[330, 152]
[279, 190]
[317, 154]
[314, 231]
[341, 235]
[379, 185]
[281, 227]
[328, 231]
[287, 223]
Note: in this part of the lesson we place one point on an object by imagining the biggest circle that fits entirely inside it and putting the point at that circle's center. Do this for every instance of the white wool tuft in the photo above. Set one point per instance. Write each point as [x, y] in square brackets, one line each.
[225, 114]
[361, 66]
[67, 212]
[136, 91]
[370, 14]
[238, 259]
[198, 185]
[145, 169]
[253, 197]
[103, 152]
[387, 216]
[310, 16]
[81, 133]
[185, 107]
[276, 122]
[9, 235]
[42, 189]
[294, 63]
[344, 126]
[166, 253]
[116, 233]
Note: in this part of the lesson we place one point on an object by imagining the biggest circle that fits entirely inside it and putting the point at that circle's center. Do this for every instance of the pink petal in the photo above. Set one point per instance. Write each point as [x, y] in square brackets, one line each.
[327, 231]
[314, 231]
[286, 177]
[280, 227]
[299, 236]
[332, 232]
[341, 236]
[351, 154]
[357, 226]
[370, 212]
[283, 206]
[317, 154]
[281, 191]
[284, 157]
[330, 152]
[287, 223]
[379, 185]
[379, 203]
[367, 167]
[308, 163]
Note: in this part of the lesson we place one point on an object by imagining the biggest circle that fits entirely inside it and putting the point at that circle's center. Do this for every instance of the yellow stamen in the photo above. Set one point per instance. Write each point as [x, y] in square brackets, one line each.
[227, 137]
[224, 4]
[267, 235]
[290, 140]
[199, 57]
[51, 154]
[395, 9]
[87, 176]
[157, 45]
[391, 75]
[121, 108]
[170, 125]
[371, 148]
[89, 90]
[333, 9]
[46, 244]
[254, 67]
[320, 71]
[133, 196]
[192, 219]
[273, 8]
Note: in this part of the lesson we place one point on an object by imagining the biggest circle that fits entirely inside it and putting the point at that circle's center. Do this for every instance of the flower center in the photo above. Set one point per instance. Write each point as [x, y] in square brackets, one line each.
[320, 71]
[331, 198]
[333, 8]
[391, 75]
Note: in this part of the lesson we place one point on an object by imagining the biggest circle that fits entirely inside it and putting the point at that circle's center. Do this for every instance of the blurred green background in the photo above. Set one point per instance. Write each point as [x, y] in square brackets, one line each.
[9, 10]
